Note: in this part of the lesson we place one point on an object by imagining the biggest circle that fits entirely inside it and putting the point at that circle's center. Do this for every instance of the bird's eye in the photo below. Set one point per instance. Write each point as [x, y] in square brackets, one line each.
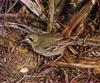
[33, 38]
[30, 38]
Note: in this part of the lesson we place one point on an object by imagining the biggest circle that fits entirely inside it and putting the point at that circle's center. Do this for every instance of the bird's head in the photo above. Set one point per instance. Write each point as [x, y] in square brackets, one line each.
[31, 39]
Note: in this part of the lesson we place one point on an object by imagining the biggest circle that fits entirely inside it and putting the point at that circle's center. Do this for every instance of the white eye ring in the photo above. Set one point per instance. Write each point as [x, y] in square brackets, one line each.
[34, 38]
[31, 38]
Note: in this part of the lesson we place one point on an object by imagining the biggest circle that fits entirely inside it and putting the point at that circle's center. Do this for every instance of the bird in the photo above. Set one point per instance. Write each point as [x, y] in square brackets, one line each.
[46, 44]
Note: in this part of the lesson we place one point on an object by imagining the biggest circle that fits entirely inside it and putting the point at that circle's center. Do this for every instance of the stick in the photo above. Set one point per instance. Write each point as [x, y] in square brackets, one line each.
[77, 18]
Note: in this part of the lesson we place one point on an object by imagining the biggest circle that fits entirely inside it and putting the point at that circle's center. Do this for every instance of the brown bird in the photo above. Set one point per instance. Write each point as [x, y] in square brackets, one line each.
[47, 44]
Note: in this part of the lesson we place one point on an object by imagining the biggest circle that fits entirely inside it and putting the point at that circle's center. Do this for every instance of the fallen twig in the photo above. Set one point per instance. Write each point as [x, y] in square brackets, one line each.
[77, 18]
